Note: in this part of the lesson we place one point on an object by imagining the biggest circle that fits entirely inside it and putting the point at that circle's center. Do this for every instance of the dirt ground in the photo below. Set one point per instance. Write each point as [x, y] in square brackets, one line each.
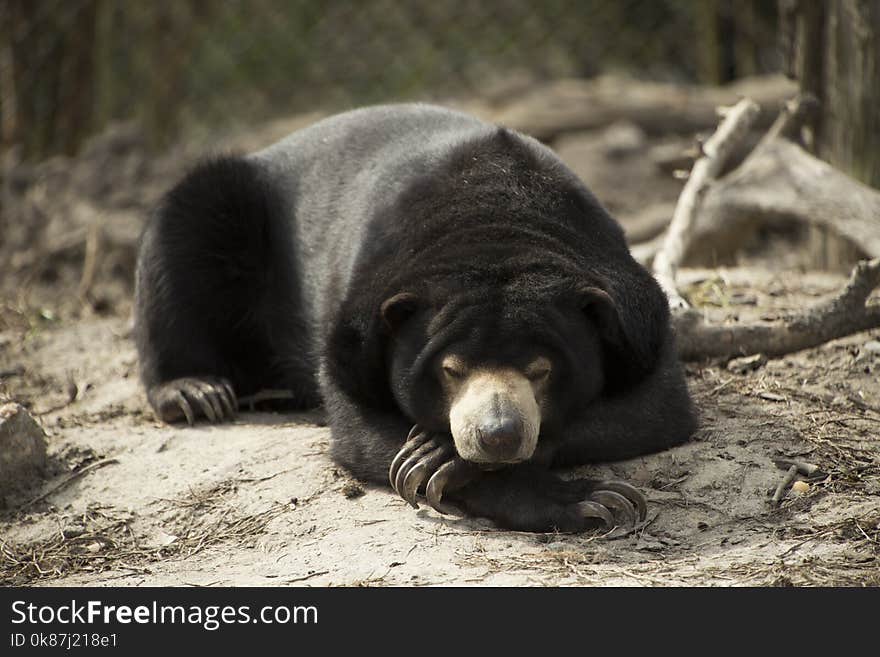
[258, 501]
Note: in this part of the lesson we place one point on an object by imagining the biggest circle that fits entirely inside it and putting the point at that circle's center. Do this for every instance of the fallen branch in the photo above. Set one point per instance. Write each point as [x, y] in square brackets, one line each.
[777, 183]
[717, 148]
[794, 115]
[567, 105]
[250, 401]
[782, 488]
[780, 182]
[68, 480]
[843, 315]
[806, 469]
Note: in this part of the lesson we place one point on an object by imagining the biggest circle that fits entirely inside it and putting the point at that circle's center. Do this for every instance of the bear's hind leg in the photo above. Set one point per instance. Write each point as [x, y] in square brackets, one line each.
[217, 304]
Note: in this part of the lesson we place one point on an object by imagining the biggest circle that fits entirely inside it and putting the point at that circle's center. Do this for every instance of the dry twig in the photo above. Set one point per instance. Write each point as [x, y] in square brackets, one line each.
[68, 480]
[250, 401]
[783, 485]
[716, 150]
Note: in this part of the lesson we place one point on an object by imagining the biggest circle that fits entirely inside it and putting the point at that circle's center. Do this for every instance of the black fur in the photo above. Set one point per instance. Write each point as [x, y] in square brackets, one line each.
[270, 272]
[217, 289]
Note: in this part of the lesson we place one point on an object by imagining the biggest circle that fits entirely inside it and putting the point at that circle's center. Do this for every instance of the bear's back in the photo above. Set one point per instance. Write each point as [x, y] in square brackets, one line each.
[335, 174]
[402, 194]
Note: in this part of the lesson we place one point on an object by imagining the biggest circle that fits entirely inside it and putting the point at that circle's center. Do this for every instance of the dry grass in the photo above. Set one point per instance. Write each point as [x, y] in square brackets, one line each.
[102, 538]
[212, 517]
[98, 539]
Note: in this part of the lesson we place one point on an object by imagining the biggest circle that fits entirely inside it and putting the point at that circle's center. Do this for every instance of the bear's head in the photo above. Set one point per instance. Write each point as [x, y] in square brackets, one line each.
[497, 371]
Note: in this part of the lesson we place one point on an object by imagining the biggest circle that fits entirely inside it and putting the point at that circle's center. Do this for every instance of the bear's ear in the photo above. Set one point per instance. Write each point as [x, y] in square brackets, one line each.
[357, 346]
[397, 309]
[632, 334]
[599, 305]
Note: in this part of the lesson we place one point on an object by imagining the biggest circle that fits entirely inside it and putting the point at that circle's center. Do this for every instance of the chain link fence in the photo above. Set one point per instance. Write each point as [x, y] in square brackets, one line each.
[191, 68]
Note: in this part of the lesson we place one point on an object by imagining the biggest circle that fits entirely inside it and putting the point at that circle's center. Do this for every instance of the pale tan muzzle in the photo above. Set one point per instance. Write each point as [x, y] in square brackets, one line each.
[495, 415]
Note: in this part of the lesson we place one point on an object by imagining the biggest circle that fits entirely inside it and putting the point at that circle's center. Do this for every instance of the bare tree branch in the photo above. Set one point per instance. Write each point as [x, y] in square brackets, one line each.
[794, 115]
[717, 148]
[843, 315]
[568, 105]
[780, 181]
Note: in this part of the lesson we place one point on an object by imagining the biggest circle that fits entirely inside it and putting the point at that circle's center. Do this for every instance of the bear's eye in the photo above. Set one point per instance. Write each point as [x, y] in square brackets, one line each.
[453, 372]
[538, 370]
[453, 368]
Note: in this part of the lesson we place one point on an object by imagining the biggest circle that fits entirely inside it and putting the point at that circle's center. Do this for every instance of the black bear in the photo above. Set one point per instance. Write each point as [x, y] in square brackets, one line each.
[465, 309]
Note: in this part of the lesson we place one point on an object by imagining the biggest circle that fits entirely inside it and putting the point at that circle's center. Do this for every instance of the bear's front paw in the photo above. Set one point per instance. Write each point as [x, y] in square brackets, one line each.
[619, 505]
[191, 397]
[533, 499]
[431, 458]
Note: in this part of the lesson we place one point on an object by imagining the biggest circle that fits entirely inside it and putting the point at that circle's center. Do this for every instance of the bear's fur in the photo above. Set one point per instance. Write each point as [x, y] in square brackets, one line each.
[343, 261]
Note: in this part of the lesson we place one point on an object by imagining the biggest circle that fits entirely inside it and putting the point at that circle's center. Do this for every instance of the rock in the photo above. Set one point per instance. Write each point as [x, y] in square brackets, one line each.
[872, 347]
[622, 139]
[73, 530]
[352, 489]
[22, 448]
[558, 546]
[800, 487]
[868, 351]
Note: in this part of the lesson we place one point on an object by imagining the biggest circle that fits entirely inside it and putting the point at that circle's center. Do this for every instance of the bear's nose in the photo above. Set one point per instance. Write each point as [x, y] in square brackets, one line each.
[500, 436]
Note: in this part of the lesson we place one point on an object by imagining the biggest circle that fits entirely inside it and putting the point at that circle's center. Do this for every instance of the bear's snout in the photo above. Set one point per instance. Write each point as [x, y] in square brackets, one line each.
[494, 417]
[500, 436]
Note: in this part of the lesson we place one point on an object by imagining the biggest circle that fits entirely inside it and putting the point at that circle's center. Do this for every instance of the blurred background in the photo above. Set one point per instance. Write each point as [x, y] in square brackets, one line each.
[104, 104]
[191, 68]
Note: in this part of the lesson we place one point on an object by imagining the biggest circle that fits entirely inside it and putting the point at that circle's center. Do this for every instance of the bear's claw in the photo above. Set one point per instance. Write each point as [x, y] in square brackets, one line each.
[414, 441]
[189, 397]
[411, 465]
[621, 506]
[437, 484]
[430, 461]
[591, 509]
[417, 461]
[426, 469]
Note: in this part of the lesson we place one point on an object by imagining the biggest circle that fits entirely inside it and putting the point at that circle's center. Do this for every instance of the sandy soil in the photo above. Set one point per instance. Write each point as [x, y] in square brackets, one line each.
[258, 501]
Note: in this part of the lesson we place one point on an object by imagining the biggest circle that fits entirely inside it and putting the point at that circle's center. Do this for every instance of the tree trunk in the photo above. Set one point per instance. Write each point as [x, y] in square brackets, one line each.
[47, 77]
[833, 48]
[733, 39]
